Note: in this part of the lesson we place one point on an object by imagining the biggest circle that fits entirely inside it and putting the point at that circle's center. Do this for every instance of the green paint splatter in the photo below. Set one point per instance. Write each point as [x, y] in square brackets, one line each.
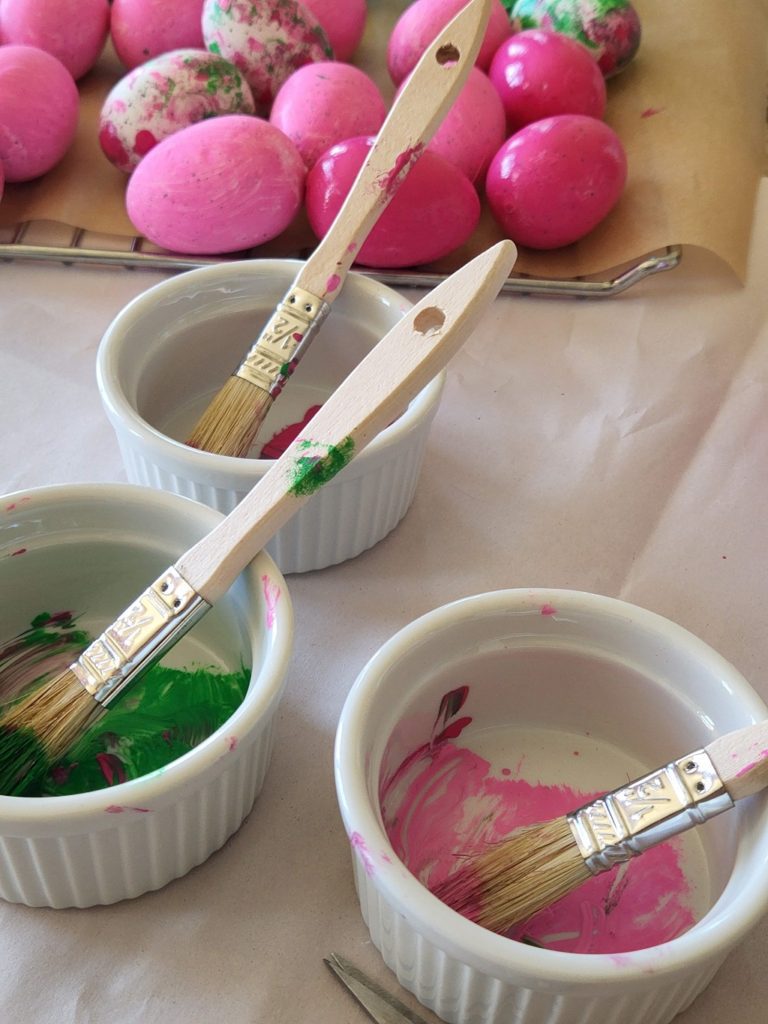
[310, 472]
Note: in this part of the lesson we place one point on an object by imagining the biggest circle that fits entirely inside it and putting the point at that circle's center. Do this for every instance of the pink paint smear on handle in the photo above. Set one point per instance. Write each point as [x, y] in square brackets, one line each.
[271, 598]
[449, 802]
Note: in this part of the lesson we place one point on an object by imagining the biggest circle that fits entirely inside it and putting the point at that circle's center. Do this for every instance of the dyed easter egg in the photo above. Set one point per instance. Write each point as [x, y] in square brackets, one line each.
[220, 185]
[165, 95]
[554, 181]
[434, 210]
[266, 39]
[142, 29]
[610, 28]
[38, 111]
[321, 104]
[343, 22]
[419, 25]
[538, 74]
[474, 127]
[74, 31]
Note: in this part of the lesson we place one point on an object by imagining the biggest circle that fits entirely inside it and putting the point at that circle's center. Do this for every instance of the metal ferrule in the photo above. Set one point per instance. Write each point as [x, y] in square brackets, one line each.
[283, 341]
[628, 821]
[138, 637]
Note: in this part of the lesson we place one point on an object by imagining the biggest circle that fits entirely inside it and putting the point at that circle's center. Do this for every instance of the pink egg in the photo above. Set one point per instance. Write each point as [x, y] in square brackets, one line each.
[539, 74]
[419, 25]
[321, 104]
[266, 39]
[146, 28]
[74, 31]
[343, 22]
[556, 179]
[163, 96]
[434, 210]
[474, 127]
[38, 111]
[220, 185]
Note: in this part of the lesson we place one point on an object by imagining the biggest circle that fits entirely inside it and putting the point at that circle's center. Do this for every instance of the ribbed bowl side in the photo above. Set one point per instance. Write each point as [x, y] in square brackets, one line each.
[460, 994]
[142, 848]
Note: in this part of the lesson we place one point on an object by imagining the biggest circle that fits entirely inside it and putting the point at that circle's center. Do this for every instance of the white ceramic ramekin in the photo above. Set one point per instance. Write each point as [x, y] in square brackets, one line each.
[91, 550]
[168, 352]
[551, 664]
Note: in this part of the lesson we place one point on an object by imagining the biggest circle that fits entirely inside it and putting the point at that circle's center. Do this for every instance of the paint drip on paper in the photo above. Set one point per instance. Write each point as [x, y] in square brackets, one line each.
[444, 802]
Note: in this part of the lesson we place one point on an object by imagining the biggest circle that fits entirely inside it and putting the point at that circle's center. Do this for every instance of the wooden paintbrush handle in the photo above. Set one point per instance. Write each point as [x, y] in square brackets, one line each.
[418, 110]
[377, 391]
[741, 759]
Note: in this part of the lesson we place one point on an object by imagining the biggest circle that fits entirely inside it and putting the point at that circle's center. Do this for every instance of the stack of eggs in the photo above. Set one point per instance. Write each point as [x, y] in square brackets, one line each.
[235, 113]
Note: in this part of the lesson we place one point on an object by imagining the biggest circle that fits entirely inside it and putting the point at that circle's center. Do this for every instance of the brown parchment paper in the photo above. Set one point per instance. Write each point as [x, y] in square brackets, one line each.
[690, 111]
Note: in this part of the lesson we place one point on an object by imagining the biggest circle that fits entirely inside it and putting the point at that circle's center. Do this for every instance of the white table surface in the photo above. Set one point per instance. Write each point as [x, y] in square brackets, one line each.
[616, 446]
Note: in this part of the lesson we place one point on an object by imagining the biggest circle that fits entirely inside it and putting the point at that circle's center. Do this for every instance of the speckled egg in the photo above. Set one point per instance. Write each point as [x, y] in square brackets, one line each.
[538, 74]
[142, 29]
[218, 186]
[266, 39]
[474, 127]
[321, 104]
[434, 210]
[418, 26]
[39, 106]
[74, 31]
[610, 28]
[165, 95]
[343, 22]
[554, 181]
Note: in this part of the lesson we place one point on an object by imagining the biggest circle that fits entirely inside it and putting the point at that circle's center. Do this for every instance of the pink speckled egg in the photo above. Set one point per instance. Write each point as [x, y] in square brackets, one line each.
[321, 104]
[419, 25]
[146, 28]
[38, 111]
[343, 22]
[220, 185]
[540, 74]
[74, 31]
[165, 95]
[474, 127]
[434, 210]
[266, 39]
[556, 179]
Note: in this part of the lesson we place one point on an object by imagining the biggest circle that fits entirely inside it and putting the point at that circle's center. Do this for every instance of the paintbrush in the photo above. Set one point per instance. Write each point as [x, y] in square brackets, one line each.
[539, 864]
[231, 421]
[38, 729]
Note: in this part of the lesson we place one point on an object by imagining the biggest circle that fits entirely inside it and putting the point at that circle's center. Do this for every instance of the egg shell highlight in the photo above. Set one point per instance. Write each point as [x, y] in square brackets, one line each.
[554, 181]
[221, 185]
[39, 106]
[343, 22]
[474, 127]
[322, 104]
[434, 210]
[266, 39]
[142, 29]
[163, 96]
[610, 28]
[539, 74]
[73, 31]
[420, 24]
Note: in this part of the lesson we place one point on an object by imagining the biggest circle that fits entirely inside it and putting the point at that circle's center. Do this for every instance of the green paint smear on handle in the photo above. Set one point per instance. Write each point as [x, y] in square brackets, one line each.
[310, 472]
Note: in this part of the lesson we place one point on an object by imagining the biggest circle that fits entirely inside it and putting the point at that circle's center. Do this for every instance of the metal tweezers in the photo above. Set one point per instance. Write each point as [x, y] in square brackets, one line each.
[383, 1007]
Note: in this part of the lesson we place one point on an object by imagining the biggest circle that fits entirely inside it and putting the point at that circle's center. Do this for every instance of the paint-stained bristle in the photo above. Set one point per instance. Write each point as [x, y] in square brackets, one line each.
[231, 422]
[36, 731]
[533, 868]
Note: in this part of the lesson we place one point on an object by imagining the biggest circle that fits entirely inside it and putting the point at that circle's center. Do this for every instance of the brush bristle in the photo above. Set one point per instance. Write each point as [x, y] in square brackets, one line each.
[40, 728]
[231, 422]
[533, 868]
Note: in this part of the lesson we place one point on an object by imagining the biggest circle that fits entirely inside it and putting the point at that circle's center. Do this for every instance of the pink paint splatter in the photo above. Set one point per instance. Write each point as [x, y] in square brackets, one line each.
[352, 247]
[15, 504]
[143, 142]
[360, 846]
[548, 609]
[296, 336]
[332, 283]
[752, 764]
[271, 597]
[119, 808]
[651, 111]
[391, 181]
[19, 551]
[231, 743]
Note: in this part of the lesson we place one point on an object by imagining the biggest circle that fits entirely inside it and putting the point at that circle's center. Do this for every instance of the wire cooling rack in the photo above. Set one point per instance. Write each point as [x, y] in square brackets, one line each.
[45, 241]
